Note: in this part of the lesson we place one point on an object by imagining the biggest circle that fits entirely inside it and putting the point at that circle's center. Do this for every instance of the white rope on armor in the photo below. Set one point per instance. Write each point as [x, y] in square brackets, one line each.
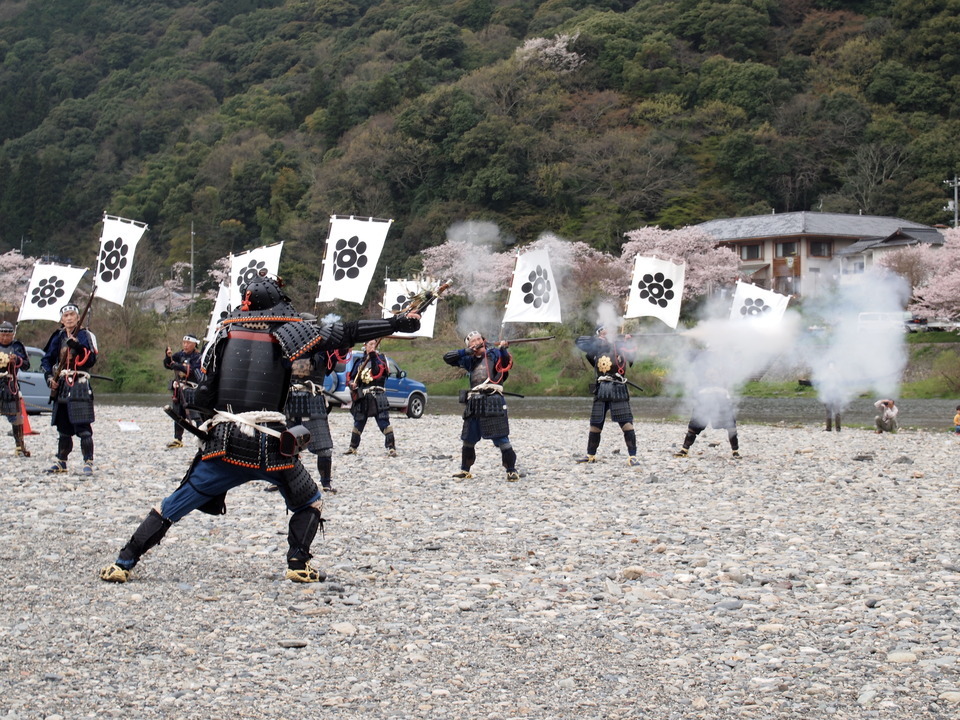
[72, 377]
[486, 388]
[308, 386]
[248, 422]
[611, 378]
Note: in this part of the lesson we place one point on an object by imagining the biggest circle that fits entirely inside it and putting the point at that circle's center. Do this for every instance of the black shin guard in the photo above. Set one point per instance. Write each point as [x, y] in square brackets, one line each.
[149, 534]
[734, 440]
[689, 439]
[86, 446]
[64, 447]
[468, 456]
[324, 467]
[302, 530]
[593, 441]
[509, 457]
[389, 440]
[630, 438]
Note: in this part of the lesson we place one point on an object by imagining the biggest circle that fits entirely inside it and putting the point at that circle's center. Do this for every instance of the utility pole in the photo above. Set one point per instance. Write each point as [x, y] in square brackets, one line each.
[953, 203]
[191, 261]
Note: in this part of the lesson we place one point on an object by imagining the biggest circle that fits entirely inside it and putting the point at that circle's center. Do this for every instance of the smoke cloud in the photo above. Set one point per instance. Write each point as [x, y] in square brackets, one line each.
[859, 347]
[484, 241]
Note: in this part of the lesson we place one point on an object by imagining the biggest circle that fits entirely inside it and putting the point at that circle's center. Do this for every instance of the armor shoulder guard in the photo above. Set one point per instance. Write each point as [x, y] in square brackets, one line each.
[298, 339]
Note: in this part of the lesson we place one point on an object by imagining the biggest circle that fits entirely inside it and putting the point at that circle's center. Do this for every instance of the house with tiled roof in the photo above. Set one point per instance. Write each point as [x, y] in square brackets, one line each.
[798, 253]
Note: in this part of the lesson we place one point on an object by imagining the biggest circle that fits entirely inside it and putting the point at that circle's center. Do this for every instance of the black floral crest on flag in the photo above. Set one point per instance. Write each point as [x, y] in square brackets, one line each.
[754, 306]
[400, 304]
[251, 271]
[536, 291]
[349, 257]
[656, 288]
[113, 259]
[47, 292]
[225, 313]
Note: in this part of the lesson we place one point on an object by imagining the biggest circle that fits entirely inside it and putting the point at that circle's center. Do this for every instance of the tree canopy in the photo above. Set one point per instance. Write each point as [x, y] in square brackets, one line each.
[254, 122]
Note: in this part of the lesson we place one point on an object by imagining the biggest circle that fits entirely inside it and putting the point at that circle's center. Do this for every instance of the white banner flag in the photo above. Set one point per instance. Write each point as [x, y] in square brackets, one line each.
[247, 265]
[118, 243]
[51, 287]
[656, 290]
[396, 297]
[533, 296]
[353, 249]
[752, 302]
[221, 309]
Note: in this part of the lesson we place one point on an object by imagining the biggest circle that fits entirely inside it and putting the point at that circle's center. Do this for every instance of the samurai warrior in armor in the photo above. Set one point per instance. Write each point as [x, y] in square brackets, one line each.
[67, 357]
[244, 388]
[185, 364]
[366, 378]
[307, 406]
[712, 404]
[13, 357]
[610, 360]
[485, 414]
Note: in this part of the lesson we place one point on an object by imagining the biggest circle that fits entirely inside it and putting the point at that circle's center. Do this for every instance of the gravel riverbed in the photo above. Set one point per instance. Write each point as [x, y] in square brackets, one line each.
[816, 577]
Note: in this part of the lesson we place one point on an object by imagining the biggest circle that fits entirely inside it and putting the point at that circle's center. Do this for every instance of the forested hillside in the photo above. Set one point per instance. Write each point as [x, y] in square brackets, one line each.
[255, 121]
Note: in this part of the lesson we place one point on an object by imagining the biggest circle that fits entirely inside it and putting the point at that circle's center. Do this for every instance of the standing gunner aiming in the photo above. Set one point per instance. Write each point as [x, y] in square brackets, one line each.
[485, 414]
[610, 358]
[246, 380]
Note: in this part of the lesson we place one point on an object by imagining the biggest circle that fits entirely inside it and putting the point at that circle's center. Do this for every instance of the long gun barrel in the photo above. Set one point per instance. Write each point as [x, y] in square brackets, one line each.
[424, 299]
[185, 424]
[634, 385]
[533, 339]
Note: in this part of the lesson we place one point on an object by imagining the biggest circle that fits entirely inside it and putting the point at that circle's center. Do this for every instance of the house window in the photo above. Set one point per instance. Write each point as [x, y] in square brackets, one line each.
[786, 249]
[820, 248]
[751, 252]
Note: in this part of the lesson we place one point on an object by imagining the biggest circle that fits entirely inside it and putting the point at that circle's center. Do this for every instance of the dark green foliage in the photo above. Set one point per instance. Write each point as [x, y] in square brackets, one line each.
[257, 120]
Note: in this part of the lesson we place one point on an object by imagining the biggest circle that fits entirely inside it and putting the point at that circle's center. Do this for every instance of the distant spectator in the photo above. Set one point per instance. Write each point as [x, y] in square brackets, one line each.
[887, 419]
[956, 421]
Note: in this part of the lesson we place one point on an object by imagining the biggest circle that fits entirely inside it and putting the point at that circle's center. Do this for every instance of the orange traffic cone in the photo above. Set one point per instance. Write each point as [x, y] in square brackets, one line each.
[27, 430]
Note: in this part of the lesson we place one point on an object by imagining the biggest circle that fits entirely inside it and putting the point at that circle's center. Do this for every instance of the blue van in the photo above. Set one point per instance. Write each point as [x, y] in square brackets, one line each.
[36, 394]
[403, 393]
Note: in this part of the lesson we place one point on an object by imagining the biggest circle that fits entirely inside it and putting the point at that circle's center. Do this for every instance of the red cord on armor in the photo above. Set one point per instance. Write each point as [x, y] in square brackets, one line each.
[78, 362]
[245, 305]
[383, 368]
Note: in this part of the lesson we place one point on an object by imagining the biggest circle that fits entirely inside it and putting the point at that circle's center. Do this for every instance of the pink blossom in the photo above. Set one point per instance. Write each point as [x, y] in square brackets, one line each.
[474, 269]
[708, 265]
[934, 275]
[16, 271]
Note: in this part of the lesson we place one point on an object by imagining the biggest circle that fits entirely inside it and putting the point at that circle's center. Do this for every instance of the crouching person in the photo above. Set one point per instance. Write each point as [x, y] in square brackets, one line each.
[245, 385]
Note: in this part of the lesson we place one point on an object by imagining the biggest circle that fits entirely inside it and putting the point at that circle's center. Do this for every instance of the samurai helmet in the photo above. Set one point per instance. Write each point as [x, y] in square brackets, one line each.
[261, 293]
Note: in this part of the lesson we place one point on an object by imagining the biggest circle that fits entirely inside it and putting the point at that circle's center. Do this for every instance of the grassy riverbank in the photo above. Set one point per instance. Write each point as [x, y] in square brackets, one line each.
[554, 368]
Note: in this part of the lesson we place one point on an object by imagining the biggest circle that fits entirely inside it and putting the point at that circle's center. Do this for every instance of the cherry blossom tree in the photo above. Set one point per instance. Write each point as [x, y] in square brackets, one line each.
[475, 270]
[707, 264]
[582, 272]
[553, 54]
[16, 271]
[917, 264]
[939, 295]
[220, 272]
